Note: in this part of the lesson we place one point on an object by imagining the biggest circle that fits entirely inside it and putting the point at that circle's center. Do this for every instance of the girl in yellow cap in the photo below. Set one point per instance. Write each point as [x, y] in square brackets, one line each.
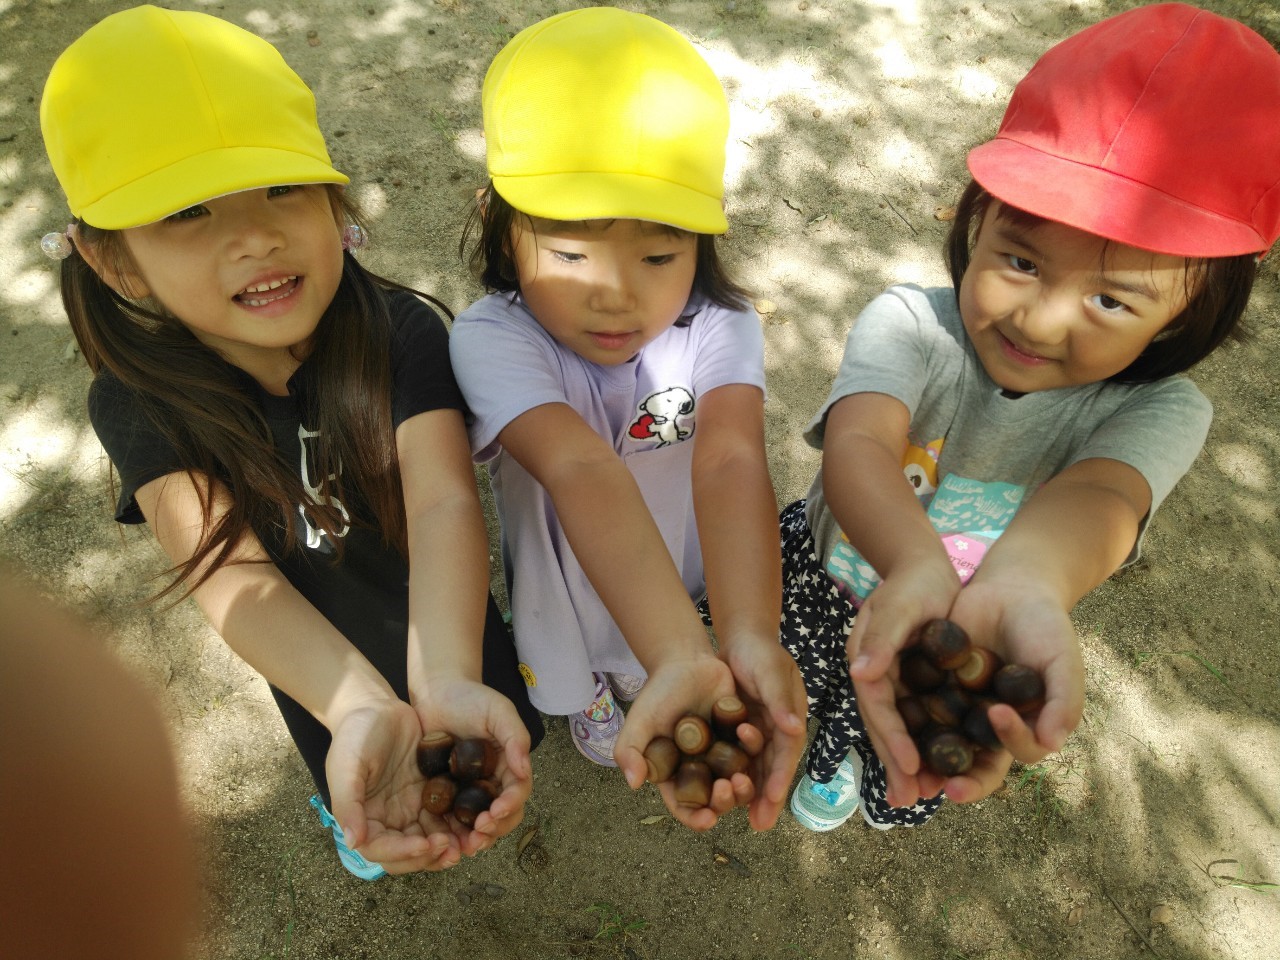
[616, 377]
[285, 421]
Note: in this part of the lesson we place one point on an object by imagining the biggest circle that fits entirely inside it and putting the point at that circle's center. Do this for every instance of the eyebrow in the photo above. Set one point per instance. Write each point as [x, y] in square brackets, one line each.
[1015, 235]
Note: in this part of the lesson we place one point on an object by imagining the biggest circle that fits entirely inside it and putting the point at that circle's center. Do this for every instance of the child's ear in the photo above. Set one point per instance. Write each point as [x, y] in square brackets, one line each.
[121, 278]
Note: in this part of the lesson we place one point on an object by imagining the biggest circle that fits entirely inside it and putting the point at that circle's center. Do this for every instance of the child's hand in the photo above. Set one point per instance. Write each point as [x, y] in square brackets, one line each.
[770, 684]
[1028, 627]
[376, 790]
[676, 688]
[466, 708]
[886, 623]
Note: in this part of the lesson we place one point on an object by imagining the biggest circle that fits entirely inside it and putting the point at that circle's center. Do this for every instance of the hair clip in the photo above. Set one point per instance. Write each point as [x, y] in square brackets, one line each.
[57, 246]
[353, 236]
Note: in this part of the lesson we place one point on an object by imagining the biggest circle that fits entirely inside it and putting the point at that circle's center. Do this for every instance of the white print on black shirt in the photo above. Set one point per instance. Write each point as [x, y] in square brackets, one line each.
[315, 536]
[667, 415]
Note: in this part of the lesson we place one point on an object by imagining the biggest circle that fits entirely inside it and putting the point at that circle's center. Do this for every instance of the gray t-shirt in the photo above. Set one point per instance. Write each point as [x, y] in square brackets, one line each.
[647, 410]
[974, 455]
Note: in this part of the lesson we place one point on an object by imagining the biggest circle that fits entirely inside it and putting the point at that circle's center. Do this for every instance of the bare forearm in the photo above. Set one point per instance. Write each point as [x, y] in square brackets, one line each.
[448, 592]
[1069, 537]
[737, 515]
[281, 635]
[616, 541]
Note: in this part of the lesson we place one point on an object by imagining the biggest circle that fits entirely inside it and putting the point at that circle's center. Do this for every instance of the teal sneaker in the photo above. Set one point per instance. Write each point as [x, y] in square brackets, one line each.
[356, 864]
[825, 806]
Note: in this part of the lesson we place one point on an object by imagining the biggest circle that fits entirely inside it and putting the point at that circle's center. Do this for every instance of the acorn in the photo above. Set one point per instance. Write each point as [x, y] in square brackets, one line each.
[663, 756]
[977, 726]
[914, 715]
[692, 734]
[1020, 687]
[917, 673]
[948, 753]
[725, 759]
[693, 784]
[473, 759]
[473, 799]
[433, 753]
[946, 705]
[438, 794]
[726, 714]
[945, 643]
[978, 668]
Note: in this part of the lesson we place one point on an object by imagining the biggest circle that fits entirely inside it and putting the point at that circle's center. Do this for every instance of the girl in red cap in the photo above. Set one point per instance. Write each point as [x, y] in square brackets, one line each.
[286, 422]
[1107, 242]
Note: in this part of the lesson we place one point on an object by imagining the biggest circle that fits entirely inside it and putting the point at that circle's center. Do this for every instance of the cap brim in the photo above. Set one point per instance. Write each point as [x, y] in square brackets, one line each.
[205, 176]
[600, 196]
[1100, 202]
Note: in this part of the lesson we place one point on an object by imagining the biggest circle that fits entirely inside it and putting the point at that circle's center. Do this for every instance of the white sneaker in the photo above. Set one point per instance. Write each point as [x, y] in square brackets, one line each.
[825, 806]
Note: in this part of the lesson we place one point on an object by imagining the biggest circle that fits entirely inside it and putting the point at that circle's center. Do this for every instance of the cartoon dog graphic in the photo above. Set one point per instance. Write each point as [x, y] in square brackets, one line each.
[660, 415]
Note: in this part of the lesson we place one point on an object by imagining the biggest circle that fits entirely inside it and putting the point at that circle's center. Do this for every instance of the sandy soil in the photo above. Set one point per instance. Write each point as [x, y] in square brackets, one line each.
[1153, 832]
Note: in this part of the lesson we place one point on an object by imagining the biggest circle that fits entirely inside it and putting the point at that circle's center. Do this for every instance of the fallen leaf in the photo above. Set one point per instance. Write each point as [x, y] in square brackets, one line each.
[650, 821]
[1075, 916]
[1161, 913]
[944, 213]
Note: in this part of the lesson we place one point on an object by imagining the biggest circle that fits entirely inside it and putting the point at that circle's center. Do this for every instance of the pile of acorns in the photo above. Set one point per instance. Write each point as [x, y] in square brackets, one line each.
[952, 683]
[698, 752]
[458, 775]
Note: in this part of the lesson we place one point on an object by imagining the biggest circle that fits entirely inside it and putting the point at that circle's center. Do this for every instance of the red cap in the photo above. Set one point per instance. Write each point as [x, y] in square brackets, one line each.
[1158, 128]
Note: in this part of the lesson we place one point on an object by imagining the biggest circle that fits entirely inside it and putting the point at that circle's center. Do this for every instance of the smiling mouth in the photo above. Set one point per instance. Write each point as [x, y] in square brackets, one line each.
[261, 294]
[1020, 353]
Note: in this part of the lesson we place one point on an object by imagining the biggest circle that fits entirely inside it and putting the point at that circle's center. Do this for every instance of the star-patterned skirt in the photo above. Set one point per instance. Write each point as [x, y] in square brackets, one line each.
[816, 620]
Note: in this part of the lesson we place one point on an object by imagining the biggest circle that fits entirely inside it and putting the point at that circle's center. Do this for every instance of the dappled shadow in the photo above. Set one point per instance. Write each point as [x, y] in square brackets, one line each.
[850, 124]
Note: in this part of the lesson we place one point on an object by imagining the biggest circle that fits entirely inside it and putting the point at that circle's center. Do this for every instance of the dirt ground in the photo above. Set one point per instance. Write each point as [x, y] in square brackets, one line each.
[1154, 831]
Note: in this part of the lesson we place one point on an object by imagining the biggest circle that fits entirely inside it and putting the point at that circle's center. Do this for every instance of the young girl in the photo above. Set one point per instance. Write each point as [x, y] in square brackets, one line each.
[286, 422]
[1107, 243]
[617, 385]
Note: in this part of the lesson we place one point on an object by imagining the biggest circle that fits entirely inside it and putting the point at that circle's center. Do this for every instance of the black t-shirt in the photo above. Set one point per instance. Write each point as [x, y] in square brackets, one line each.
[366, 595]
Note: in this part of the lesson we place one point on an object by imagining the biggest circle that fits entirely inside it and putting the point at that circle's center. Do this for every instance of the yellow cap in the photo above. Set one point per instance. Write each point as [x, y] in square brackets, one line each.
[151, 111]
[602, 113]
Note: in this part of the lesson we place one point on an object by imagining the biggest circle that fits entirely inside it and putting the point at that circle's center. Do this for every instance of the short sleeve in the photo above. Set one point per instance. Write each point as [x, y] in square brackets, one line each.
[138, 451]
[1159, 431]
[421, 375]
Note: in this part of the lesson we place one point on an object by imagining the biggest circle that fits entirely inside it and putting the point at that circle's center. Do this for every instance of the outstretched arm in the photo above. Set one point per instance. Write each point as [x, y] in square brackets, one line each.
[616, 541]
[448, 594]
[1071, 535]
[737, 516]
[865, 438]
[281, 635]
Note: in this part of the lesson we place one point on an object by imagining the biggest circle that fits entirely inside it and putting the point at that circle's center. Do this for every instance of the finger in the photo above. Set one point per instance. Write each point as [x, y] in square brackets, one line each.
[1018, 738]
[395, 847]
[438, 857]
[986, 776]
[509, 730]
[782, 694]
[698, 819]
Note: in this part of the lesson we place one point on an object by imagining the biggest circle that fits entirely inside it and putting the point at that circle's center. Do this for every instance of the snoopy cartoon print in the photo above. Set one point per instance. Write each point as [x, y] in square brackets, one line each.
[667, 415]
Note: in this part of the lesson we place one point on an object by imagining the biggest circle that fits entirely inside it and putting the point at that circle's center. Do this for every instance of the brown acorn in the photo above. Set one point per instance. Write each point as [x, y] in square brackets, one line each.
[948, 753]
[978, 669]
[946, 705]
[692, 735]
[663, 756]
[726, 714]
[438, 794]
[433, 753]
[1020, 687]
[473, 759]
[725, 759]
[914, 715]
[693, 784]
[945, 643]
[473, 799]
[917, 673]
[977, 727]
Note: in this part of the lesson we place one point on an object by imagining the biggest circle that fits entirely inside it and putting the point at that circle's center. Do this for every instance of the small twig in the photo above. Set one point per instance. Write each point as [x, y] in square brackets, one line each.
[900, 216]
[1132, 926]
